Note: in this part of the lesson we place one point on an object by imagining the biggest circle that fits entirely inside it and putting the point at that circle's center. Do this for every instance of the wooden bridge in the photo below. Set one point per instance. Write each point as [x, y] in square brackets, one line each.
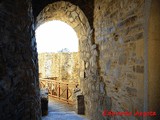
[62, 91]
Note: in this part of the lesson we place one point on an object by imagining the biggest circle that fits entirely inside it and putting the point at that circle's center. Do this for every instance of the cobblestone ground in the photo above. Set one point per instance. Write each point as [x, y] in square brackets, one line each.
[61, 111]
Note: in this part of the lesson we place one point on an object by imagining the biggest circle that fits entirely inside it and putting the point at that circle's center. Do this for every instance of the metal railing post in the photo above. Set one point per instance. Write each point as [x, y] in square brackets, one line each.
[67, 92]
[59, 91]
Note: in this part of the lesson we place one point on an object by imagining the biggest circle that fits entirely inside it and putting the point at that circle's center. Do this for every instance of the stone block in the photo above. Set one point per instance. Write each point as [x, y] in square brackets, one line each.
[102, 88]
[139, 69]
[131, 91]
[108, 67]
[80, 105]
[123, 59]
[44, 106]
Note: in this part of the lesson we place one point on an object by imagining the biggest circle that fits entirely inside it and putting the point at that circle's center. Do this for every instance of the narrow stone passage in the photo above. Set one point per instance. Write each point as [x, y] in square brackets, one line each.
[61, 111]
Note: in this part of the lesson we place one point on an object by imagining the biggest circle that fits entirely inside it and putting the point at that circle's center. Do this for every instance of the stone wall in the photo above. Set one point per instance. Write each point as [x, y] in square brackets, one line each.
[64, 66]
[119, 58]
[120, 44]
[153, 43]
[86, 6]
[19, 92]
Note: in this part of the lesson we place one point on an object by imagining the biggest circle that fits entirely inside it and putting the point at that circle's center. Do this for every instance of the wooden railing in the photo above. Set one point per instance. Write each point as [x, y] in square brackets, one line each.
[59, 90]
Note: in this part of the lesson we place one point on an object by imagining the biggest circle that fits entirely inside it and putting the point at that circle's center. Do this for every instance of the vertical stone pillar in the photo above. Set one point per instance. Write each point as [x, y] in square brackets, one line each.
[19, 86]
[80, 105]
[154, 58]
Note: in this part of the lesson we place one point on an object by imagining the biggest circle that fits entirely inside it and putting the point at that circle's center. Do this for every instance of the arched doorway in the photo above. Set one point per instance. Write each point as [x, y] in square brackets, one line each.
[57, 45]
[73, 16]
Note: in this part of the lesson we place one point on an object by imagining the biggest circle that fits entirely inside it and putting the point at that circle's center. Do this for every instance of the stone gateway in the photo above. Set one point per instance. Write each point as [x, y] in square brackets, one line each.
[118, 55]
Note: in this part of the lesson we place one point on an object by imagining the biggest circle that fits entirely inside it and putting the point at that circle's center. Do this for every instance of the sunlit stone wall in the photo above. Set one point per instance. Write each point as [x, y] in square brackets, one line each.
[119, 34]
[63, 66]
[119, 58]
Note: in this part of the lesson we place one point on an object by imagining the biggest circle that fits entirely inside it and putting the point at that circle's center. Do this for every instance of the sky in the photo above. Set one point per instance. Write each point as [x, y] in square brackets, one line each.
[54, 36]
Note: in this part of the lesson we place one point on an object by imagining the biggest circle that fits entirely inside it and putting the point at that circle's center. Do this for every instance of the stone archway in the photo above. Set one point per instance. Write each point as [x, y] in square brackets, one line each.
[68, 13]
[73, 16]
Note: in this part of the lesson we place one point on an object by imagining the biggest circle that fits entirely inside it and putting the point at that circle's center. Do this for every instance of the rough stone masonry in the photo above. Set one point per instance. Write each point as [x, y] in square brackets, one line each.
[119, 55]
[64, 66]
[19, 85]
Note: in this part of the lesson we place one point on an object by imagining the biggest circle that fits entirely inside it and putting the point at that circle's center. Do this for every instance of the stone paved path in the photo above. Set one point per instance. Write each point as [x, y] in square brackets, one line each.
[61, 111]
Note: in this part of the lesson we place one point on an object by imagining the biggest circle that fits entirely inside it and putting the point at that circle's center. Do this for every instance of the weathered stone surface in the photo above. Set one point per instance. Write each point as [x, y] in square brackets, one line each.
[102, 88]
[131, 91]
[108, 67]
[119, 58]
[118, 35]
[44, 101]
[19, 85]
[122, 59]
[86, 6]
[117, 72]
[64, 66]
[140, 69]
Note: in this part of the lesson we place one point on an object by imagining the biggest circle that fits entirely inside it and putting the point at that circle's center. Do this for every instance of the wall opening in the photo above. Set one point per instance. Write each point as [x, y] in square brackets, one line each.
[55, 36]
[73, 16]
[57, 45]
